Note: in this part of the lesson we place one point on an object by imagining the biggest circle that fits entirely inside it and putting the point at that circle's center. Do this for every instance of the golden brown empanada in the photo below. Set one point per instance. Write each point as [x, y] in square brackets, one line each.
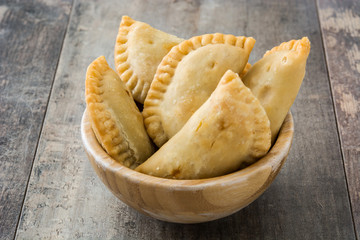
[230, 130]
[187, 76]
[139, 49]
[276, 79]
[115, 119]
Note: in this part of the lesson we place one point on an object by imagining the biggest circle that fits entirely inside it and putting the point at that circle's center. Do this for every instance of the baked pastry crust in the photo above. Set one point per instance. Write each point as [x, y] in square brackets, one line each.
[276, 79]
[187, 76]
[245, 71]
[115, 119]
[229, 131]
[139, 49]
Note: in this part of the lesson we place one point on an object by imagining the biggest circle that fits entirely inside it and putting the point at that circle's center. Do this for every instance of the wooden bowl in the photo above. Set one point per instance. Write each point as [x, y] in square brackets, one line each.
[188, 201]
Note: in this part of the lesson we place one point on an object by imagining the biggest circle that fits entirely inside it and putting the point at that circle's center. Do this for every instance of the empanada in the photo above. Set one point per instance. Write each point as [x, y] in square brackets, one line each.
[139, 49]
[187, 76]
[230, 130]
[276, 79]
[115, 119]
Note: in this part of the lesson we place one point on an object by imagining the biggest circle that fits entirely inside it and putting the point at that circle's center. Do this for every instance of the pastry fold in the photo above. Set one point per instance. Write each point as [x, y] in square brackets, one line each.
[139, 49]
[187, 76]
[276, 79]
[229, 131]
[114, 116]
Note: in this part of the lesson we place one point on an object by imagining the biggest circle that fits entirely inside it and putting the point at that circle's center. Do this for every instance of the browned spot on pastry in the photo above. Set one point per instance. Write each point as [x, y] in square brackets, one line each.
[264, 92]
[199, 126]
[222, 125]
[212, 64]
[176, 172]
[212, 144]
[127, 92]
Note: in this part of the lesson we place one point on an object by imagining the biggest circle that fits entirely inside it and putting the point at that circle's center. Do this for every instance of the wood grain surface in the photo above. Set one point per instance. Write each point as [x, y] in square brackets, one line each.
[309, 198]
[31, 36]
[340, 22]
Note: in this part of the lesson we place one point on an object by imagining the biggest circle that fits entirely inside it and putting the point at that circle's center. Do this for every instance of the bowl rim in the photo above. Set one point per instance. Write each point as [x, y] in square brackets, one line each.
[275, 158]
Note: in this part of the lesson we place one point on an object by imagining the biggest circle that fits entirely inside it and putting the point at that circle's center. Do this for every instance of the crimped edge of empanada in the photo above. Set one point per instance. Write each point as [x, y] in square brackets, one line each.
[262, 136]
[302, 46]
[123, 67]
[109, 134]
[166, 70]
[245, 71]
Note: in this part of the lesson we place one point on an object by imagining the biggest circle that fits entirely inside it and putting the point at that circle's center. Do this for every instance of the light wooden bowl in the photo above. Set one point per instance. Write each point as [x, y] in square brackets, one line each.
[188, 201]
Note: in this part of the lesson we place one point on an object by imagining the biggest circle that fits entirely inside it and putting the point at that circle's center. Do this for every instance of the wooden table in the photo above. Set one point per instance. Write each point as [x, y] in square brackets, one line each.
[48, 189]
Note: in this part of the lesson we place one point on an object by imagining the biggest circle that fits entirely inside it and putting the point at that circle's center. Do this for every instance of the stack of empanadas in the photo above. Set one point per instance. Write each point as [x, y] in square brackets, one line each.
[205, 107]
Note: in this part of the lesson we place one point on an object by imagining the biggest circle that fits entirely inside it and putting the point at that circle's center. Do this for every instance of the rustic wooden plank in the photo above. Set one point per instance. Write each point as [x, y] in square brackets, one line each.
[31, 36]
[340, 23]
[308, 200]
